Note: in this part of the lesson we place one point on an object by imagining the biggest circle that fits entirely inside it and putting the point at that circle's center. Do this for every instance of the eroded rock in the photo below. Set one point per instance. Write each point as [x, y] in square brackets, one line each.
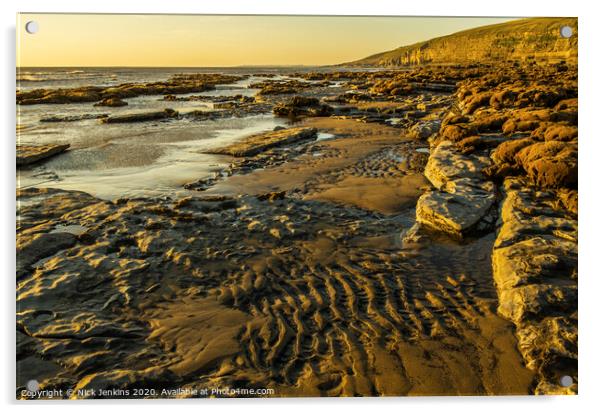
[178, 84]
[550, 164]
[447, 164]
[303, 106]
[456, 214]
[535, 270]
[28, 154]
[463, 197]
[424, 130]
[255, 144]
[32, 249]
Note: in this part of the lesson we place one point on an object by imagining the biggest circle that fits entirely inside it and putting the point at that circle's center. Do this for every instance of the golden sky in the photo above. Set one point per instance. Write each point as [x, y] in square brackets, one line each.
[199, 41]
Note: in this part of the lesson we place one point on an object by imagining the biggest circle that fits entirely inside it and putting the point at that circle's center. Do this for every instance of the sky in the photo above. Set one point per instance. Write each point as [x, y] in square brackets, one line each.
[203, 41]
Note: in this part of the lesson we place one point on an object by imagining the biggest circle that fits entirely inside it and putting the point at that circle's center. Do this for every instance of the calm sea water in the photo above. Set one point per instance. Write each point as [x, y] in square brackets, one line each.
[137, 159]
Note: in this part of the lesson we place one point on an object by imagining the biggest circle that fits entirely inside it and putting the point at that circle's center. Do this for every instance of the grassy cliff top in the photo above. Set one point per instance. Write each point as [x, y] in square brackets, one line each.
[522, 39]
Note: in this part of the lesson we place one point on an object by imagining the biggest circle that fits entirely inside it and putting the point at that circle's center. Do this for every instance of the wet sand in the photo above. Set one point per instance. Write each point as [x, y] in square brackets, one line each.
[393, 319]
[310, 294]
[358, 166]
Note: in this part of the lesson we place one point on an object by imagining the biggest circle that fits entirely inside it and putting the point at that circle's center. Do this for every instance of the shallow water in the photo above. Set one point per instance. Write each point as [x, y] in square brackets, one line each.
[67, 77]
[157, 160]
[325, 136]
[71, 229]
[136, 159]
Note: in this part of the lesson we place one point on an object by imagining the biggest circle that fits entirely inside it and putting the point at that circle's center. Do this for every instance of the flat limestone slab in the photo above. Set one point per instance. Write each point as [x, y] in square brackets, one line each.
[141, 117]
[462, 198]
[28, 154]
[255, 144]
[446, 164]
[453, 213]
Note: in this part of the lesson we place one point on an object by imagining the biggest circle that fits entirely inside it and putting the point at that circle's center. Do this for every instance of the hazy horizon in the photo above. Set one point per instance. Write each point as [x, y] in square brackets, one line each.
[106, 40]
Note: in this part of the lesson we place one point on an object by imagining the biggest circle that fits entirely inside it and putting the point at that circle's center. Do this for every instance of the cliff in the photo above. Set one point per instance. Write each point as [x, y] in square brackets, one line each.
[525, 39]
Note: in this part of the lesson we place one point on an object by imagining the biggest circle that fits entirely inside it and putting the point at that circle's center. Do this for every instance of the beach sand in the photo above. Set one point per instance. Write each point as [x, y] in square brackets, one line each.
[309, 295]
[423, 243]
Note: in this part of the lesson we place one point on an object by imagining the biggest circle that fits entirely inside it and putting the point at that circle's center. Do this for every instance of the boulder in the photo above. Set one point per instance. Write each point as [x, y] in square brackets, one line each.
[476, 143]
[463, 198]
[454, 213]
[452, 119]
[490, 123]
[514, 126]
[424, 130]
[506, 151]
[533, 301]
[446, 163]
[503, 98]
[477, 101]
[556, 132]
[550, 164]
[456, 131]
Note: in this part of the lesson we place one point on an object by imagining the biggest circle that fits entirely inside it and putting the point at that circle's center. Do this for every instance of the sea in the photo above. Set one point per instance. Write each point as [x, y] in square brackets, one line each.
[112, 161]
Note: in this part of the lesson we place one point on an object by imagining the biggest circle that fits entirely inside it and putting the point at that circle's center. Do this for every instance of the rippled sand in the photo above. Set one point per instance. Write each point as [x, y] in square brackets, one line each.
[309, 294]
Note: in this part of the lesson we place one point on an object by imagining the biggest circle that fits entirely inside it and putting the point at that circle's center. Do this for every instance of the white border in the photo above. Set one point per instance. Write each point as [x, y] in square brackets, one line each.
[590, 153]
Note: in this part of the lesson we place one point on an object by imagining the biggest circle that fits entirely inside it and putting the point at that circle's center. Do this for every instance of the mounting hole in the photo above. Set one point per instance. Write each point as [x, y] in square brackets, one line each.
[33, 385]
[566, 31]
[32, 27]
[566, 381]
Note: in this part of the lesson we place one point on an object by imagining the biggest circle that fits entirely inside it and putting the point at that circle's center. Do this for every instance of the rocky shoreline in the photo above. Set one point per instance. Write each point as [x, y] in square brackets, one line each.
[112, 95]
[535, 269]
[534, 156]
[296, 247]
